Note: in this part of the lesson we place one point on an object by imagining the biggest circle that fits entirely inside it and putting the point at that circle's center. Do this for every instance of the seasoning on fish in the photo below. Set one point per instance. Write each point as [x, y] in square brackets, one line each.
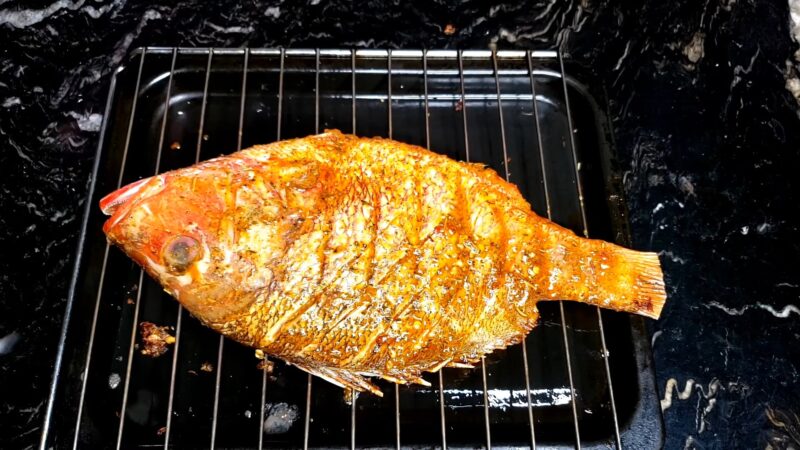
[352, 258]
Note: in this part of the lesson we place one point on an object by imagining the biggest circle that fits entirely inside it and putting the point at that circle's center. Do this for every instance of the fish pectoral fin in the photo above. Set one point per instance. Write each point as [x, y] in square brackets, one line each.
[343, 378]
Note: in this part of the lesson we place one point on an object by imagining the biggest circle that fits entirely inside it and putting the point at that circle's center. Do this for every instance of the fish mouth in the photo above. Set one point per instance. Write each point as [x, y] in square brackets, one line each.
[118, 203]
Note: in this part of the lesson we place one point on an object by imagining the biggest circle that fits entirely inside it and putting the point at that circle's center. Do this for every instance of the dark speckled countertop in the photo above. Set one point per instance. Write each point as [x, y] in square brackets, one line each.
[707, 132]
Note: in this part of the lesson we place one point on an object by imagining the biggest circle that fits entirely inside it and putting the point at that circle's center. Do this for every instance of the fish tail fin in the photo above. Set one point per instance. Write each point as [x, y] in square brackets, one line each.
[563, 266]
[644, 280]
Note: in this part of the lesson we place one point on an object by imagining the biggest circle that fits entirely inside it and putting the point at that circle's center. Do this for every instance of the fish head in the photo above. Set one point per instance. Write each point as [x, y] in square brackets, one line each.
[172, 225]
[212, 234]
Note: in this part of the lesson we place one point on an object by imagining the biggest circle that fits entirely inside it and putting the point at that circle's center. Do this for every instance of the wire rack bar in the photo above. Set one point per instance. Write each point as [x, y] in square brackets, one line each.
[424, 55]
[461, 56]
[390, 123]
[584, 223]
[353, 394]
[132, 344]
[179, 322]
[101, 285]
[508, 178]
[218, 380]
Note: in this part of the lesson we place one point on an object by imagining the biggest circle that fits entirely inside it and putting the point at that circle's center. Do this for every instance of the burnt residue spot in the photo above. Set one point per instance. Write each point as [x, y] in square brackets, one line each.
[265, 365]
[280, 417]
[350, 396]
[175, 146]
[155, 339]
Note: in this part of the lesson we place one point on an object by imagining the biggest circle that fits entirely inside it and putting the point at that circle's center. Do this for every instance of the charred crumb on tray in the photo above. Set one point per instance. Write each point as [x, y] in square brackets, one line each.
[155, 339]
[266, 365]
[350, 395]
[207, 367]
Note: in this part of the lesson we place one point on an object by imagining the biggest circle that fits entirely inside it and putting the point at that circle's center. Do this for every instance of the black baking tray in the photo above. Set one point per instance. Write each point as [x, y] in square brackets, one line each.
[168, 107]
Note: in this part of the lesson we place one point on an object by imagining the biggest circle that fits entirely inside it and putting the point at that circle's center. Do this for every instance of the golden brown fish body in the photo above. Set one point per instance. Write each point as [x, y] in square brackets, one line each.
[355, 257]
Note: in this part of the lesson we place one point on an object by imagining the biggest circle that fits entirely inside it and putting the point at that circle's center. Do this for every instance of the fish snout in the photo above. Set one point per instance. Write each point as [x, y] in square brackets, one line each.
[118, 203]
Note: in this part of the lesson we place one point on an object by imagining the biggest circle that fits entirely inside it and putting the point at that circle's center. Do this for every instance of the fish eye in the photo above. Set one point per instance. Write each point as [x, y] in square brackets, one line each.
[179, 253]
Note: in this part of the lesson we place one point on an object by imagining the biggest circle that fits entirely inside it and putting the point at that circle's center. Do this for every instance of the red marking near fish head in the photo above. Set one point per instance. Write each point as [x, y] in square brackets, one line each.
[118, 203]
[114, 200]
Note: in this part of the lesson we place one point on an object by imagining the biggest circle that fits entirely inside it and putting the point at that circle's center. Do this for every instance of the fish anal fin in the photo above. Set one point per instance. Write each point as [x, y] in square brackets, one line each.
[460, 365]
[421, 381]
[343, 378]
[408, 378]
[393, 379]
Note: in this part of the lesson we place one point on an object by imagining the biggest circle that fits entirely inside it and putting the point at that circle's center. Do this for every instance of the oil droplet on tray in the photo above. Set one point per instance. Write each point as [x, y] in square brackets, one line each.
[114, 380]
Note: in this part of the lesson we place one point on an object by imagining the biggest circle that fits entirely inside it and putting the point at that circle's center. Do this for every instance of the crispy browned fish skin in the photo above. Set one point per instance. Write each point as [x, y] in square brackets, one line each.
[349, 257]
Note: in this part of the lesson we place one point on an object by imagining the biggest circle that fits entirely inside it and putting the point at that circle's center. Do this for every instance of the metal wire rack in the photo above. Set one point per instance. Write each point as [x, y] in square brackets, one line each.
[516, 111]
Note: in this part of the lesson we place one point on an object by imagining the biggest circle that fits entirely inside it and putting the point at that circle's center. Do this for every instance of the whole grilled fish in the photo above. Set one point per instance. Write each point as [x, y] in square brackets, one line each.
[352, 257]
